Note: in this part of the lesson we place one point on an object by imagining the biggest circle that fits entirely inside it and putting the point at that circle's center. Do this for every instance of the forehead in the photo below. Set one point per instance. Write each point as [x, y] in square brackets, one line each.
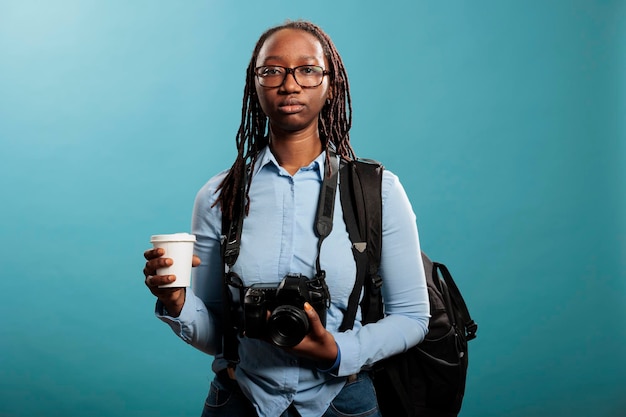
[291, 45]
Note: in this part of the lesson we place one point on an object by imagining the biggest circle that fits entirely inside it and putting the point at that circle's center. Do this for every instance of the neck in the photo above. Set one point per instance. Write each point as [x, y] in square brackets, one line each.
[295, 150]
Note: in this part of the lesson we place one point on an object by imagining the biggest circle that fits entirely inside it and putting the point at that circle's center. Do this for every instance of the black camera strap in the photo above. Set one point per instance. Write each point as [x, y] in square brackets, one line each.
[324, 215]
[231, 242]
[230, 245]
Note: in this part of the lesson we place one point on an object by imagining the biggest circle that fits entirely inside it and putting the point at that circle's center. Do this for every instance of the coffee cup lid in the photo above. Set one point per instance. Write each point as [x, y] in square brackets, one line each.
[174, 237]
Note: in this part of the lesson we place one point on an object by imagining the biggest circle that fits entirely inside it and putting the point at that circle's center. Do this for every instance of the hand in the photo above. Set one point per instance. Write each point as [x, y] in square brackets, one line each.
[319, 344]
[172, 298]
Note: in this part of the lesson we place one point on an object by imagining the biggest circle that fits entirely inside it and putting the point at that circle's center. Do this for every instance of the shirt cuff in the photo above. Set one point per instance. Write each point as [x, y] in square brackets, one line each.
[184, 323]
[335, 367]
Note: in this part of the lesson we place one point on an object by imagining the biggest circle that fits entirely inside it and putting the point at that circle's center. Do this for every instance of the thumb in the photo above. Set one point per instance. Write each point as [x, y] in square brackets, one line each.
[314, 320]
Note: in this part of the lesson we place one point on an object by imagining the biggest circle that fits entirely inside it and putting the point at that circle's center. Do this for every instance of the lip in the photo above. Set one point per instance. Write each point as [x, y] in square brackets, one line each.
[290, 106]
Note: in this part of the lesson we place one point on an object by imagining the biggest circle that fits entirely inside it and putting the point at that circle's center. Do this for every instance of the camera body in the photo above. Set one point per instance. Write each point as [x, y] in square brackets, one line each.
[287, 323]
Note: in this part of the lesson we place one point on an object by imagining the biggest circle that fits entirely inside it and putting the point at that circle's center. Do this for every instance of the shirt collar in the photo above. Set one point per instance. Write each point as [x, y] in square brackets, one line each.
[266, 157]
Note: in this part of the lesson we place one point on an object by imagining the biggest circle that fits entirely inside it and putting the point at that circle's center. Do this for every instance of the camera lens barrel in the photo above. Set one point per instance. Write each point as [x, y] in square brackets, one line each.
[287, 326]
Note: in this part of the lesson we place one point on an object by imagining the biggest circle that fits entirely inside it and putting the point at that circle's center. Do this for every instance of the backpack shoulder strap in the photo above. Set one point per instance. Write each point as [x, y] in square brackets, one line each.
[361, 200]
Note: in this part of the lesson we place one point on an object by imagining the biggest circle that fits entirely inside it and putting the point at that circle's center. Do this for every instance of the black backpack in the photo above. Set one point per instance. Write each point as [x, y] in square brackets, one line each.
[428, 379]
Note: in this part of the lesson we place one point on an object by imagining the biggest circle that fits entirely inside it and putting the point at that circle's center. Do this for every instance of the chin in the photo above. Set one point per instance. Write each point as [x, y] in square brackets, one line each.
[291, 126]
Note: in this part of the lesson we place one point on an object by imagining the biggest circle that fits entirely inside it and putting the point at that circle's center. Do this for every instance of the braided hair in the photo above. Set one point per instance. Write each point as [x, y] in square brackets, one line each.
[335, 119]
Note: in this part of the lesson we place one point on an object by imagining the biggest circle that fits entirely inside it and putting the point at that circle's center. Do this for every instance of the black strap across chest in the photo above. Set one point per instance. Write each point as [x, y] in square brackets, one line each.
[232, 287]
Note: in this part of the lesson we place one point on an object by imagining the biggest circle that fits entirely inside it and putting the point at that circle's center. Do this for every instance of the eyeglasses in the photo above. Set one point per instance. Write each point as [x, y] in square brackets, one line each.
[307, 76]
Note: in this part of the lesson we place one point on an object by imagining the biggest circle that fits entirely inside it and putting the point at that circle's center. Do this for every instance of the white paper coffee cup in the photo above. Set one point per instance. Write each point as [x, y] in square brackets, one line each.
[178, 247]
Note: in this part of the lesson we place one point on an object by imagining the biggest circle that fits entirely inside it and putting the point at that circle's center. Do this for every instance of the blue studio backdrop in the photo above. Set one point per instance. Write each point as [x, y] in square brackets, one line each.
[504, 120]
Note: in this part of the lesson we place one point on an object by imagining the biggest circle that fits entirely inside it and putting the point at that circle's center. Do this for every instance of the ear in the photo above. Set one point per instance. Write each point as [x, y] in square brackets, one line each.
[329, 96]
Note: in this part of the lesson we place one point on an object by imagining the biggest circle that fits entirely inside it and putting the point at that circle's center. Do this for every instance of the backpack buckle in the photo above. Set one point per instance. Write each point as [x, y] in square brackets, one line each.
[375, 283]
[471, 329]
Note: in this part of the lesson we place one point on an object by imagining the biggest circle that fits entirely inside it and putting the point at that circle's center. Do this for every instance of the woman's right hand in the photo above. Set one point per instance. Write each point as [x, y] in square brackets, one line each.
[173, 299]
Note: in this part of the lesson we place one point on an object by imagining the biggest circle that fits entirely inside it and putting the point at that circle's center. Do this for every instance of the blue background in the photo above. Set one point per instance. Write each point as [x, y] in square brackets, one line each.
[504, 120]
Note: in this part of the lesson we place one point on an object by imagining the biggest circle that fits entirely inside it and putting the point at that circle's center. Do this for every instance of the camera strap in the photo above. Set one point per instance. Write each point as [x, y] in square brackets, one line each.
[232, 286]
[231, 242]
[324, 215]
[231, 229]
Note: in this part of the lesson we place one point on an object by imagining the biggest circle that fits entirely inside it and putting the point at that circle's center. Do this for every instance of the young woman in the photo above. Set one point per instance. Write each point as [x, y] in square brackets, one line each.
[296, 107]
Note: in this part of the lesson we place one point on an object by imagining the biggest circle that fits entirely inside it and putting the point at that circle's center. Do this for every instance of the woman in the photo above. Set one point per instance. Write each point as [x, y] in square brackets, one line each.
[296, 107]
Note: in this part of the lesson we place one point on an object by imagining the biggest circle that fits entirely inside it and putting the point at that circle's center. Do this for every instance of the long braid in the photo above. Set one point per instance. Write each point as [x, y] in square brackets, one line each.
[335, 119]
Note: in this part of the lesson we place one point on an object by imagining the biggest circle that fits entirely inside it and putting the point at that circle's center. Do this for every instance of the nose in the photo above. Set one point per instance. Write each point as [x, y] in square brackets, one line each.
[290, 83]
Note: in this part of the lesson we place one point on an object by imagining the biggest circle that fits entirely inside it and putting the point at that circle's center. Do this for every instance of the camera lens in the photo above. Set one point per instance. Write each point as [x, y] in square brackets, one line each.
[287, 326]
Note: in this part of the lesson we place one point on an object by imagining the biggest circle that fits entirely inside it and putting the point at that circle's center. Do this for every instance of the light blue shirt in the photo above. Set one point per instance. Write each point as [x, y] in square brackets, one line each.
[279, 238]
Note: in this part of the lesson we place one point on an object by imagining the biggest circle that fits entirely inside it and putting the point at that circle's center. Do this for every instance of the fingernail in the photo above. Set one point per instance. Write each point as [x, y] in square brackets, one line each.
[308, 306]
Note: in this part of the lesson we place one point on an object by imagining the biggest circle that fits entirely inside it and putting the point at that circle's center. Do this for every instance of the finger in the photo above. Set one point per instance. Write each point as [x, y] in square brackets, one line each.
[154, 281]
[317, 329]
[195, 261]
[153, 253]
[156, 263]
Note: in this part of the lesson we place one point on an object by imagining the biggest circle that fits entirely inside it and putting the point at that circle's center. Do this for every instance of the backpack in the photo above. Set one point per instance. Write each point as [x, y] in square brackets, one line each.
[428, 379]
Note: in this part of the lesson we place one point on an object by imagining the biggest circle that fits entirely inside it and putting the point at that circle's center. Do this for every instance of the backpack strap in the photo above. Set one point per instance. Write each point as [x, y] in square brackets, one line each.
[361, 200]
[467, 325]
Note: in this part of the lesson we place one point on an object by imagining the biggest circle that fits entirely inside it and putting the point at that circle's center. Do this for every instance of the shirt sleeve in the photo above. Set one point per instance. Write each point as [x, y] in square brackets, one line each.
[407, 309]
[198, 322]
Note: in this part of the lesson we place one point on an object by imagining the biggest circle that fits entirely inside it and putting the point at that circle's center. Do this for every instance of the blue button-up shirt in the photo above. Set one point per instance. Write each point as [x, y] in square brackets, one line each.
[279, 238]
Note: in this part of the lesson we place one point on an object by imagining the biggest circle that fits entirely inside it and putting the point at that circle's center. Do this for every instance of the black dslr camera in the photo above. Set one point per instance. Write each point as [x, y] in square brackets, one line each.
[288, 323]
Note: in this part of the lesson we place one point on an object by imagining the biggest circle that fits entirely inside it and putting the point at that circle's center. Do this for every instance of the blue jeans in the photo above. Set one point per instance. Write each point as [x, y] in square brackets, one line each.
[356, 399]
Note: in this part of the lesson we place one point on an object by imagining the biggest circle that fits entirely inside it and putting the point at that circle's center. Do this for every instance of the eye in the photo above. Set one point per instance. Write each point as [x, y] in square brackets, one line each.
[310, 70]
[270, 71]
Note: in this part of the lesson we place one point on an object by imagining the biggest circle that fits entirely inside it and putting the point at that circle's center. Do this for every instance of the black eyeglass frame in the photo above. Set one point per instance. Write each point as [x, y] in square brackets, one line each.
[288, 71]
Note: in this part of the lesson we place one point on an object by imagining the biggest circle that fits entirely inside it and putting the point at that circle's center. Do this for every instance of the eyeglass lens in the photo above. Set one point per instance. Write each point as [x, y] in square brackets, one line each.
[305, 75]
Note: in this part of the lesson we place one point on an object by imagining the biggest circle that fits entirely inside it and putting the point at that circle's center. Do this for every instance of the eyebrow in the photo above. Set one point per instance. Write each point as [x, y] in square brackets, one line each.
[278, 57]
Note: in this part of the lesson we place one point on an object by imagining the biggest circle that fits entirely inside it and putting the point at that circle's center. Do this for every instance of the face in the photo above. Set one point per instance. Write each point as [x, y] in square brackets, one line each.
[290, 107]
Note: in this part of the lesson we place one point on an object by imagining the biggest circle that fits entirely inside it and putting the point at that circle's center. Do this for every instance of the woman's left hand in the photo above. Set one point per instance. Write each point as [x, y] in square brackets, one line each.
[319, 344]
